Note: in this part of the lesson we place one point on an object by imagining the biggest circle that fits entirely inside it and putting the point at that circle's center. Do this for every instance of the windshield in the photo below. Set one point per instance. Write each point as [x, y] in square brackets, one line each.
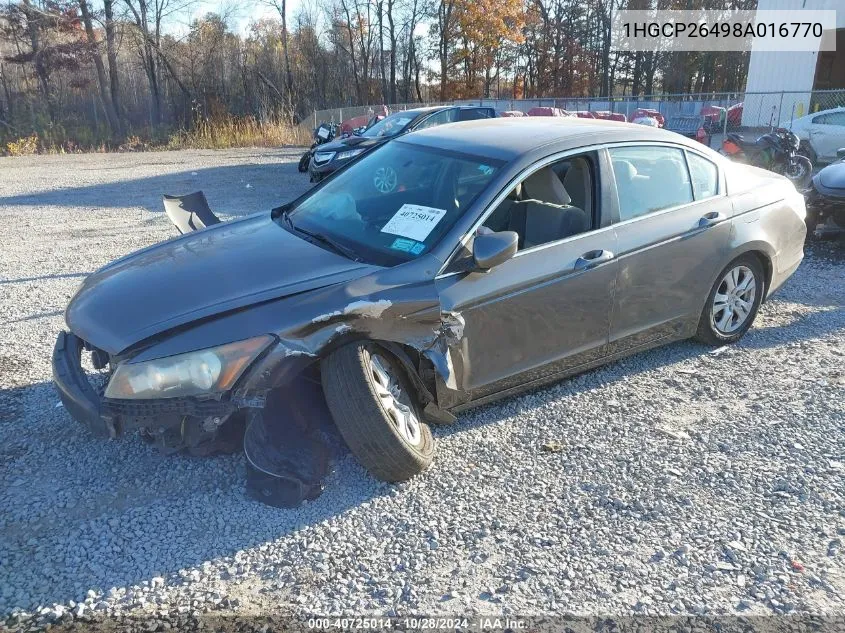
[390, 126]
[393, 204]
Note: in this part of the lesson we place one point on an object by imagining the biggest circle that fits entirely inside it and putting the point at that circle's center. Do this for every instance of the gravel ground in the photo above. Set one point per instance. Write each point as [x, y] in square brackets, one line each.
[681, 480]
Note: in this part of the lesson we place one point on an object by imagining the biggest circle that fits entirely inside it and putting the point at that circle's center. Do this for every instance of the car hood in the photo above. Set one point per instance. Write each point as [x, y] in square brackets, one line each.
[199, 275]
[350, 142]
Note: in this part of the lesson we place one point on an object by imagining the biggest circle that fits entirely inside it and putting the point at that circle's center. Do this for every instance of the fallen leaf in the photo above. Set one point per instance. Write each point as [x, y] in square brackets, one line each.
[552, 447]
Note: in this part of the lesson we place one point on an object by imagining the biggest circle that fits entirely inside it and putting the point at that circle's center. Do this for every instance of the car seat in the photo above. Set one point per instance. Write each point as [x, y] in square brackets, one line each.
[546, 214]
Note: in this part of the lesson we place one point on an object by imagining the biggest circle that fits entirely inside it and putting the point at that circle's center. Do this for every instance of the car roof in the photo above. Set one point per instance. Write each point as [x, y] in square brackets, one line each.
[508, 138]
[425, 110]
[828, 111]
[418, 111]
[809, 116]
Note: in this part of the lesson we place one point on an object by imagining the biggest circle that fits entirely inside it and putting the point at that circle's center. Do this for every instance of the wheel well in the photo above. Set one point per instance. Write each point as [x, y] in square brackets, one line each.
[419, 368]
[766, 263]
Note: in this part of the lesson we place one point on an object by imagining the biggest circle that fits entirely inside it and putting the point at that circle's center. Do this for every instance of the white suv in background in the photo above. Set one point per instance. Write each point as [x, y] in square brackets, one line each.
[821, 133]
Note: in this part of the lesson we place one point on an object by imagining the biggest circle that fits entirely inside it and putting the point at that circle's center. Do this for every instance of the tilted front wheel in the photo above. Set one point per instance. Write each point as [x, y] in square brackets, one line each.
[375, 410]
[799, 171]
[304, 161]
[733, 302]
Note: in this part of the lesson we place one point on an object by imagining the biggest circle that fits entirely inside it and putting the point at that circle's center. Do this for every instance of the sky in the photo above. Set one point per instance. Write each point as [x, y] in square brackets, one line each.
[243, 13]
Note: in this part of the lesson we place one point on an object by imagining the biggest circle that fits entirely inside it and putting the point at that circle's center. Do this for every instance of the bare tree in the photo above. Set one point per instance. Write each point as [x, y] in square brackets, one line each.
[111, 56]
[281, 9]
[445, 40]
[102, 83]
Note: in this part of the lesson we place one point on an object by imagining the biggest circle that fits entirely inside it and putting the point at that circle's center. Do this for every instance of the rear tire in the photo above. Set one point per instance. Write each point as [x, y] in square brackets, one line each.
[733, 302]
[375, 410]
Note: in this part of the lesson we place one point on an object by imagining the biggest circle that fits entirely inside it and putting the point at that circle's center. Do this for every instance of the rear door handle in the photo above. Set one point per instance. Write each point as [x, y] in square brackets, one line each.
[592, 259]
[710, 219]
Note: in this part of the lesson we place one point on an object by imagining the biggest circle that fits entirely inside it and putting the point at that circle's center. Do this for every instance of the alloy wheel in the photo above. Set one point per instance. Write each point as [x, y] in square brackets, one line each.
[395, 401]
[733, 302]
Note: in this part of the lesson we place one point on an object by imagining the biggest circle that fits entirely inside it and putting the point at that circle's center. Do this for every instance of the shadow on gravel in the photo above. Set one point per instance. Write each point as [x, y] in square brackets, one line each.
[33, 317]
[86, 512]
[231, 189]
[22, 280]
[82, 512]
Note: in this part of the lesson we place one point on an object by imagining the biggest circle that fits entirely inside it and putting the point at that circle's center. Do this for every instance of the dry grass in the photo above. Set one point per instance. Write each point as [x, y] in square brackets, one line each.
[235, 132]
[218, 134]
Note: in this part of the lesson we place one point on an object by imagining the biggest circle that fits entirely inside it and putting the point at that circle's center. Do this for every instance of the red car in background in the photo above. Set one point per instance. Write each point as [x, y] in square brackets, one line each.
[647, 112]
[735, 114]
[350, 125]
[512, 113]
[714, 116]
[607, 115]
[548, 111]
[583, 114]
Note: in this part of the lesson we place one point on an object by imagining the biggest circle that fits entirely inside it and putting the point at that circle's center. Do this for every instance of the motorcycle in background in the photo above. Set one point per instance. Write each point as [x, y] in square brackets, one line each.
[776, 151]
[323, 133]
[825, 198]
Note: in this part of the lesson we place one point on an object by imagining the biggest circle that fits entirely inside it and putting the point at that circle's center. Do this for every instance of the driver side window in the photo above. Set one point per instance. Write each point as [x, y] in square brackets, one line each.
[555, 202]
[439, 118]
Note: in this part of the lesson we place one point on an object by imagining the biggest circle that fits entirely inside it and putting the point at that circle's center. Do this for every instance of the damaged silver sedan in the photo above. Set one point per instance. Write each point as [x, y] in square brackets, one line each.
[443, 270]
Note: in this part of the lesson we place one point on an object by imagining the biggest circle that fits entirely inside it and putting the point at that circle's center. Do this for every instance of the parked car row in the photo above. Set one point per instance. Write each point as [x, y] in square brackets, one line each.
[328, 153]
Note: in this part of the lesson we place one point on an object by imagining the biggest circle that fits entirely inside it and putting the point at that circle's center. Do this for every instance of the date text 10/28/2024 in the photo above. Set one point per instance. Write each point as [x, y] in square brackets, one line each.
[418, 623]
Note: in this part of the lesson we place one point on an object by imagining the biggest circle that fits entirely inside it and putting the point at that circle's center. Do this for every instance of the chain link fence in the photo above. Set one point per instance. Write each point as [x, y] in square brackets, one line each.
[724, 112]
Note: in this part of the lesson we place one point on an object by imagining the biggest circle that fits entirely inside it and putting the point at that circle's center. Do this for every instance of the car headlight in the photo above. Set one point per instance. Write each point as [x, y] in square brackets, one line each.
[323, 157]
[349, 154]
[204, 371]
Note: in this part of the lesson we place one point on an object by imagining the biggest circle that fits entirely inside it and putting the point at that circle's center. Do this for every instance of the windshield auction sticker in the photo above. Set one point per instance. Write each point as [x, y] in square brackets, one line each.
[414, 221]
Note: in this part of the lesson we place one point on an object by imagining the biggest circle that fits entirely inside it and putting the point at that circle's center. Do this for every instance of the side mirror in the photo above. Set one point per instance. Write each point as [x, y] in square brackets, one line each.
[840, 153]
[492, 249]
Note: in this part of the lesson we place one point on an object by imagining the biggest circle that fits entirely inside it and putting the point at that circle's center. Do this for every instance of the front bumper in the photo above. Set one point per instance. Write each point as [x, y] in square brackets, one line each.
[108, 417]
[317, 172]
[75, 392]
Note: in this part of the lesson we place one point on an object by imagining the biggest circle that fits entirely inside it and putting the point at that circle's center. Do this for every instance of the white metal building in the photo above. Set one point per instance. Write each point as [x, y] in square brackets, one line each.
[795, 72]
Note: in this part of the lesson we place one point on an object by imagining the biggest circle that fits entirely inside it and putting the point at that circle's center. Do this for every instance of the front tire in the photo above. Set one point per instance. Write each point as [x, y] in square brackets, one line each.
[733, 302]
[805, 149]
[375, 410]
[799, 171]
[304, 161]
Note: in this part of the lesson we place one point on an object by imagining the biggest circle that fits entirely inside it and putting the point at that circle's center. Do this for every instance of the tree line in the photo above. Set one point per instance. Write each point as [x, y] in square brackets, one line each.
[98, 71]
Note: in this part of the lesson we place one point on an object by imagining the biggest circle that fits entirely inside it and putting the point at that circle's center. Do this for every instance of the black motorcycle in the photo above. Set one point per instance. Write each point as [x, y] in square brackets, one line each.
[825, 198]
[323, 133]
[776, 151]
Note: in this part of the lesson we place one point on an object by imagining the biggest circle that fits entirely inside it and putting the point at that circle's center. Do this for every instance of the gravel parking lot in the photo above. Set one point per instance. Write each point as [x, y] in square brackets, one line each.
[682, 480]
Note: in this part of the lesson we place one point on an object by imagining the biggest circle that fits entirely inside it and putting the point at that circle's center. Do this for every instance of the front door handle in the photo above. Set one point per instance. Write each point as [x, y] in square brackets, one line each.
[592, 259]
[710, 219]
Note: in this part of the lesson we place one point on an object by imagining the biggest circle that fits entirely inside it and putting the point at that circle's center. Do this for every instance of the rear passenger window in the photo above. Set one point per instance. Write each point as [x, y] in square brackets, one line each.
[649, 178]
[705, 176]
[472, 113]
